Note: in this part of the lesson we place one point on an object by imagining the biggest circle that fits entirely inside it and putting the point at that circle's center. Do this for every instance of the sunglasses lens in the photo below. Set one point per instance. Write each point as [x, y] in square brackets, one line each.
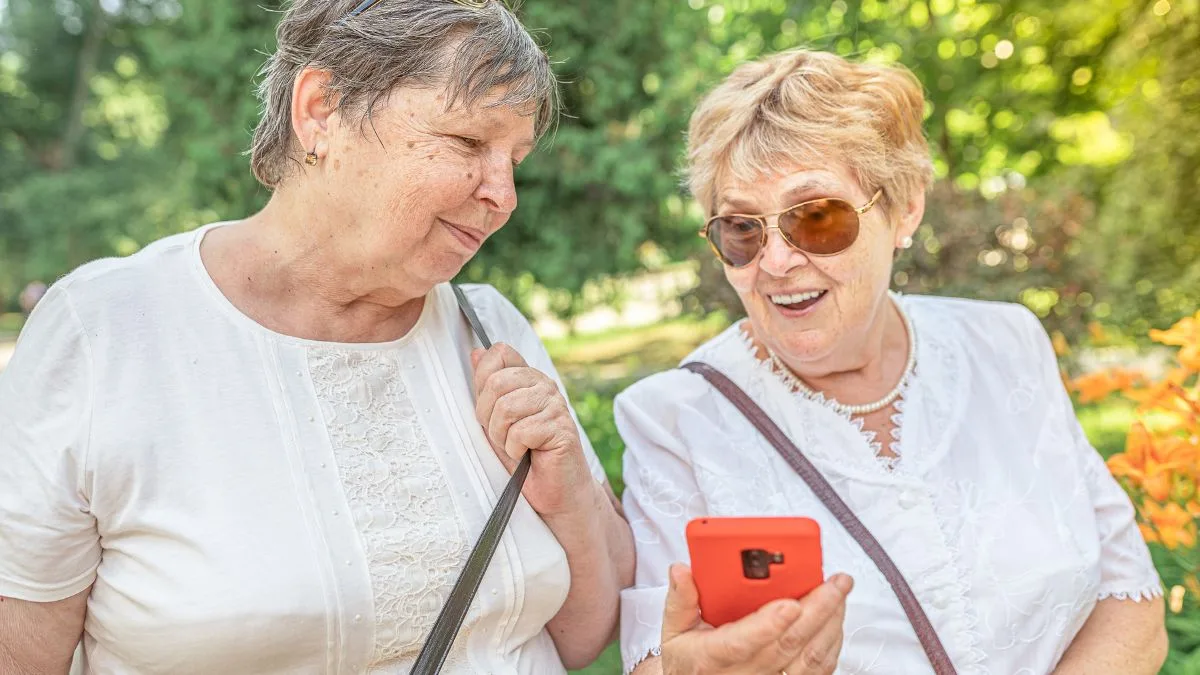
[735, 238]
[823, 227]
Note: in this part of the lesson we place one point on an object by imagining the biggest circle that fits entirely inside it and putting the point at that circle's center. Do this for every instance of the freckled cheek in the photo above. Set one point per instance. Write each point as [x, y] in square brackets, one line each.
[741, 278]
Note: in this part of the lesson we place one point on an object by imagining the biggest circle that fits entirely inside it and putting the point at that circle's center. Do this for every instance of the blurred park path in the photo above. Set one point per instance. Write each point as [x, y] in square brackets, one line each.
[6, 352]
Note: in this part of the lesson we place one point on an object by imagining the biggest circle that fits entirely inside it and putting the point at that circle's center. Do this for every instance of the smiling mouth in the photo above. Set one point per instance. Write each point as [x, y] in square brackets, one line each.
[471, 238]
[797, 301]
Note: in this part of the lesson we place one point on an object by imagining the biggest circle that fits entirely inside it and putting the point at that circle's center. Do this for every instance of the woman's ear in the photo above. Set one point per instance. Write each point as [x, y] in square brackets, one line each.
[910, 219]
[312, 111]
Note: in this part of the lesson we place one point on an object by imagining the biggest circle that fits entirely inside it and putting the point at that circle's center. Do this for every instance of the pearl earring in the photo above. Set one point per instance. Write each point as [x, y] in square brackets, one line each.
[906, 242]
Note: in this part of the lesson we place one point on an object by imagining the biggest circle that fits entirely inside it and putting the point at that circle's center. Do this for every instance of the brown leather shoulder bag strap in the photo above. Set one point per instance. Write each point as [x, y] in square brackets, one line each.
[829, 497]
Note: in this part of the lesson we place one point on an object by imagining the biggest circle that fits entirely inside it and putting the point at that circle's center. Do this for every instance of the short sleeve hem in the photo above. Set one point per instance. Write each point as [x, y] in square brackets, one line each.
[22, 590]
[641, 624]
[1126, 591]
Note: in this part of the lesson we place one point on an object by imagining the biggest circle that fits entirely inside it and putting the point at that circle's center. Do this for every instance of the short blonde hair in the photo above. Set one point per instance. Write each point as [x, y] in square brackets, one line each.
[808, 105]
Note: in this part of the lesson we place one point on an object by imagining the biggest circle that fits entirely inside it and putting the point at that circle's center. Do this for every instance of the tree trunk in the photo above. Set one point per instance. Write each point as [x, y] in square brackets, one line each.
[64, 156]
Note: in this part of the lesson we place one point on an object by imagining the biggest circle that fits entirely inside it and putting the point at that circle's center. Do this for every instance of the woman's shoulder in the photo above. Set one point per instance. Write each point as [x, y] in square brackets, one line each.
[984, 328]
[989, 317]
[108, 288]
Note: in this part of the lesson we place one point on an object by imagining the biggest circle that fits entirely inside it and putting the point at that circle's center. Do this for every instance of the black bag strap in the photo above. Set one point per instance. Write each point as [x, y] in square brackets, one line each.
[449, 621]
[926, 634]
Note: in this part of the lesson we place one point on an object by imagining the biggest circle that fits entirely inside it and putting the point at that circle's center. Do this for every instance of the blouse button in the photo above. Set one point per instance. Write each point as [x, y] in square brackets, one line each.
[357, 618]
[908, 499]
[941, 600]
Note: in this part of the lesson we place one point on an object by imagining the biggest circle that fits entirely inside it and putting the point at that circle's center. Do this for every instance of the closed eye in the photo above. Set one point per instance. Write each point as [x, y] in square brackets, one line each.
[468, 141]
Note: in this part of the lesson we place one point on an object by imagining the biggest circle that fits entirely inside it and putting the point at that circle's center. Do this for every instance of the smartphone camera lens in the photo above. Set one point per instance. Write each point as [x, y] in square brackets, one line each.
[756, 563]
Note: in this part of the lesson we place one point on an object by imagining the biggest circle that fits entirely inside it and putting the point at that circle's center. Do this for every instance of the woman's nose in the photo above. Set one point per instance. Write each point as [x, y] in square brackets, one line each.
[498, 188]
[778, 256]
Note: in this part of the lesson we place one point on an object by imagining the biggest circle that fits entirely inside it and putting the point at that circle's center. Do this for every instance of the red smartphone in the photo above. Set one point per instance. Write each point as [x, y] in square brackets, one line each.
[741, 564]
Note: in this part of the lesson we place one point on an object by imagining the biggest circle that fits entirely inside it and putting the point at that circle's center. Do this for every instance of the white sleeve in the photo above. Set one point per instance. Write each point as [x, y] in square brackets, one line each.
[506, 324]
[661, 496]
[49, 544]
[1126, 569]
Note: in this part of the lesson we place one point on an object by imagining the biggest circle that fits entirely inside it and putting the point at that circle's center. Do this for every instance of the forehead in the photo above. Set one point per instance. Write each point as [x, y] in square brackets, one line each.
[489, 117]
[784, 189]
[433, 109]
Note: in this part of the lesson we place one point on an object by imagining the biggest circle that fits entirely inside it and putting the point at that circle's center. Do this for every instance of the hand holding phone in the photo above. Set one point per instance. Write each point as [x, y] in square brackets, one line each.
[797, 637]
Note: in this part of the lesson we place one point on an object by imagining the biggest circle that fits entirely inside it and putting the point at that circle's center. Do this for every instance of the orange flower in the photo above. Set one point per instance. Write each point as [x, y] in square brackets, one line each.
[1098, 385]
[1148, 533]
[1186, 335]
[1151, 465]
[1167, 394]
[1059, 341]
[1173, 525]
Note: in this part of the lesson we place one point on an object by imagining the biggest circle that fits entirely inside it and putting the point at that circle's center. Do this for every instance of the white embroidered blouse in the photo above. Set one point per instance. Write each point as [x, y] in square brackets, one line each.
[1002, 517]
[246, 502]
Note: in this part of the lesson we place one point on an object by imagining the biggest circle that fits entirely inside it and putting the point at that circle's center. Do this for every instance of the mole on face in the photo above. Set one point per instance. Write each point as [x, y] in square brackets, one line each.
[411, 144]
[470, 176]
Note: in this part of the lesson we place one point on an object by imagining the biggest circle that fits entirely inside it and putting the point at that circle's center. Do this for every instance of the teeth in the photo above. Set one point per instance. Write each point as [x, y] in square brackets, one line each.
[794, 298]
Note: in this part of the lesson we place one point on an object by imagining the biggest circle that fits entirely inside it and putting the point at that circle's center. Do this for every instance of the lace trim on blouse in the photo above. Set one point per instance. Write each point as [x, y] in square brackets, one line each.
[398, 495]
[765, 368]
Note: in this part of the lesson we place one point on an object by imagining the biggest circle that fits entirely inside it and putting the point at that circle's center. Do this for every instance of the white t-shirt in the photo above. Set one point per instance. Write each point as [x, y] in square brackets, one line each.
[1001, 516]
[248, 502]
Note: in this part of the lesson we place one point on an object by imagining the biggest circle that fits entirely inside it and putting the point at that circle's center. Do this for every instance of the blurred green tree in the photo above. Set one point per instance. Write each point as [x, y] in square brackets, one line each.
[1064, 137]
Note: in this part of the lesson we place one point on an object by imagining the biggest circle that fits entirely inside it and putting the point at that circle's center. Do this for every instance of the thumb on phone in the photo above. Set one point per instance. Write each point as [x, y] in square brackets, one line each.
[682, 611]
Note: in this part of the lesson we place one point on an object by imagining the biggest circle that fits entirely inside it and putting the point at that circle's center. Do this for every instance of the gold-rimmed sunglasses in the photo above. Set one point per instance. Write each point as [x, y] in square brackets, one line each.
[818, 227]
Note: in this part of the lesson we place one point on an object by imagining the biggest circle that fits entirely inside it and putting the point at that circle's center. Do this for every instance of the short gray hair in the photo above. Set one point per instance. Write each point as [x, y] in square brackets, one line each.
[397, 43]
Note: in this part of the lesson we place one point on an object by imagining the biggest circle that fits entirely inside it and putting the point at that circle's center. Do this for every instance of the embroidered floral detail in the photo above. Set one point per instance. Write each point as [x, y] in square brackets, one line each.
[398, 495]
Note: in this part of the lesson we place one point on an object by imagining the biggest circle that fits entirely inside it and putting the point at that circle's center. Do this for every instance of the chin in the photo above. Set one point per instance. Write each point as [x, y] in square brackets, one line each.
[796, 345]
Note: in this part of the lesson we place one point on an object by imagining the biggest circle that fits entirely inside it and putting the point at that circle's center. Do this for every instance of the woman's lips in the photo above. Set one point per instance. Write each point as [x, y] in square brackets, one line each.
[472, 239]
[802, 308]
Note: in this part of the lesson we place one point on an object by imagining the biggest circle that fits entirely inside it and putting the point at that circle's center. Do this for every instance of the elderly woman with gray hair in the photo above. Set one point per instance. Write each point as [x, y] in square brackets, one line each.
[1001, 543]
[267, 445]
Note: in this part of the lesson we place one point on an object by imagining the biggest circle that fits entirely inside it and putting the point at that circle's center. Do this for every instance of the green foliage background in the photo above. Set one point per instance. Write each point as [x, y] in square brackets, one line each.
[1065, 137]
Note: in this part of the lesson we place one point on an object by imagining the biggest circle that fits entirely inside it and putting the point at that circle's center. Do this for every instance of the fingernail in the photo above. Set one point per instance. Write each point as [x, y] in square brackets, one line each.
[843, 582]
[789, 611]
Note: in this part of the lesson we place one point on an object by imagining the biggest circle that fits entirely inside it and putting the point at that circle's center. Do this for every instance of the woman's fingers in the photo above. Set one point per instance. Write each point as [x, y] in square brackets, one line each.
[492, 361]
[781, 631]
[752, 638]
[820, 652]
[815, 637]
[682, 611]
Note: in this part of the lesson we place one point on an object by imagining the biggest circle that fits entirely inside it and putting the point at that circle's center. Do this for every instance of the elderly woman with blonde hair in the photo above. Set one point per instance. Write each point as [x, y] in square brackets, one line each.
[1000, 542]
[268, 445]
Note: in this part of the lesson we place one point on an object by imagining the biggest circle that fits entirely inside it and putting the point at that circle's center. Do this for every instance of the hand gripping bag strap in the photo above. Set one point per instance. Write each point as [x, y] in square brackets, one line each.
[449, 621]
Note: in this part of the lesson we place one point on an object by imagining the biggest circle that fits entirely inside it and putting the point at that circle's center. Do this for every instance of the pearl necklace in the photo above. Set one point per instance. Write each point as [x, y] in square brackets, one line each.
[796, 384]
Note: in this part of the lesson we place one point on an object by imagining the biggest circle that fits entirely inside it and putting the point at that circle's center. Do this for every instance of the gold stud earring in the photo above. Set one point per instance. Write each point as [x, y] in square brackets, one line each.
[906, 242]
[311, 158]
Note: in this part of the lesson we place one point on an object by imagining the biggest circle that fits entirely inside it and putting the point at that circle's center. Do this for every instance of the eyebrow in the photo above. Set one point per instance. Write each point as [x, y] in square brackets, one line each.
[791, 197]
